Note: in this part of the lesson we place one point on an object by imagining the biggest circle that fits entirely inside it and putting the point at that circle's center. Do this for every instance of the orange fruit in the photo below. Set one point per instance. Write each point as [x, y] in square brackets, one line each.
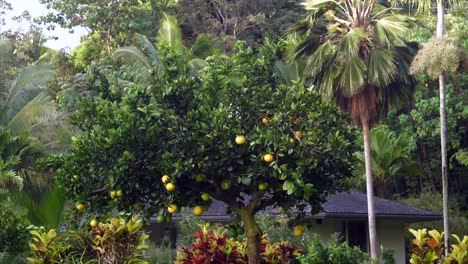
[265, 120]
[240, 140]
[172, 208]
[298, 230]
[170, 187]
[165, 179]
[298, 134]
[93, 223]
[80, 207]
[268, 158]
[198, 210]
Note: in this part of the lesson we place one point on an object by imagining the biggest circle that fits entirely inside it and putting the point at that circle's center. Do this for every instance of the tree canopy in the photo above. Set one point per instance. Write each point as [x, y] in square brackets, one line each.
[234, 132]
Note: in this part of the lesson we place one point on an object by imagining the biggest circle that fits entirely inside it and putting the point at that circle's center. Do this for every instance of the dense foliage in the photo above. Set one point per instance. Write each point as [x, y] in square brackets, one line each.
[112, 241]
[14, 235]
[211, 246]
[177, 123]
[428, 247]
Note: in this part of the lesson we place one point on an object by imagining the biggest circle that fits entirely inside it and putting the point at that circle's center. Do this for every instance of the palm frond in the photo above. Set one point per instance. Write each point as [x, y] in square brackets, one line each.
[382, 69]
[34, 77]
[203, 46]
[148, 48]
[134, 57]
[321, 59]
[52, 206]
[350, 43]
[390, 31]
[170, 32]
[47, 212]
[35, 111]
[314, 5]
[351, 78]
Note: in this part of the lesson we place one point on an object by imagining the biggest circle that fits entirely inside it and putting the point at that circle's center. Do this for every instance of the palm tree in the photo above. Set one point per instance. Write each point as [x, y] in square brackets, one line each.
[48, 212]
[145, 60]
[356, 55]
[390, 158]
[24, 106]
[424, 6]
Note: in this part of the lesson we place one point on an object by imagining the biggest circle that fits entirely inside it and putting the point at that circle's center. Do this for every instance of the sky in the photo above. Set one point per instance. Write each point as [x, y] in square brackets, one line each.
[65, 40]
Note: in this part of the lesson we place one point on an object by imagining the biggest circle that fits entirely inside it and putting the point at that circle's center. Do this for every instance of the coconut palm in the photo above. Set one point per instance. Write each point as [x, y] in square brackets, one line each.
[24, 106]
[356, 54]
[145, 61]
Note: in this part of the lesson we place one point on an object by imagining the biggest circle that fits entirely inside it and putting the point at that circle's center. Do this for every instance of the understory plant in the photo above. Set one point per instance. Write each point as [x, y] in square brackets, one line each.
[428, 248]
[14, 235]
[333, 253]
[113, 241]
[214, 246]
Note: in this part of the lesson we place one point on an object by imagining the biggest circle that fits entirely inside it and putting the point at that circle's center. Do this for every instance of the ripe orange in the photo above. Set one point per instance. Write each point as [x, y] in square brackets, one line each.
[93, 223]
[80, 207]
[298, 230]
[170, 187]
[198, 210]
[268, 158]
[298, 134]
[265, 120]
[240, 140]
[165, 179]
[172, 208]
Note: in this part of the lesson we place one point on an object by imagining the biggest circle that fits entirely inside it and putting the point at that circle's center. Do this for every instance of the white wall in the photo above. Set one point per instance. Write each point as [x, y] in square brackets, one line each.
[391, 235]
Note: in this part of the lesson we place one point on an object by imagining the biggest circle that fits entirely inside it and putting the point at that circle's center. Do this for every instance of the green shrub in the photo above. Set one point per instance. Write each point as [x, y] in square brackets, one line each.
[387, 256]
[159, 255]
[14, 235]
[457, 221]
[114, 241]
[333, 253]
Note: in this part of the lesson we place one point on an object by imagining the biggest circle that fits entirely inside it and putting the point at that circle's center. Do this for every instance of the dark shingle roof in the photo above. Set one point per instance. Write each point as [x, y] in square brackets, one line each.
[349, 204]
[354, 204]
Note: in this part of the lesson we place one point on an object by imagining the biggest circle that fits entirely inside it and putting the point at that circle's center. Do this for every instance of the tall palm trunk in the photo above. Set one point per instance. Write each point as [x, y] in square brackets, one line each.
[443, 129]
[373, 240]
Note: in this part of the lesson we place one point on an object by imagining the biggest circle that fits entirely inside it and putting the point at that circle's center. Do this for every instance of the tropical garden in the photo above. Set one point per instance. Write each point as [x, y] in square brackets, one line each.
[167, 106]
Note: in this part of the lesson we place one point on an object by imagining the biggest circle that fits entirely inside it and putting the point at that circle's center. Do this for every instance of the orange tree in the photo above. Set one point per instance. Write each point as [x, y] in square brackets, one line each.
[231, 132]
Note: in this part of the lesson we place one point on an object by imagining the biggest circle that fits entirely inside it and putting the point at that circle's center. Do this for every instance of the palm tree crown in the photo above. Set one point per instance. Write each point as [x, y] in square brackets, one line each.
[356, 54]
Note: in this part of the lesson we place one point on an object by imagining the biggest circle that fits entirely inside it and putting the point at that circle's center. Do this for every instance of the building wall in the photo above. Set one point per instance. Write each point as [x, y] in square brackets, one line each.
[390, 232]
[391, 235]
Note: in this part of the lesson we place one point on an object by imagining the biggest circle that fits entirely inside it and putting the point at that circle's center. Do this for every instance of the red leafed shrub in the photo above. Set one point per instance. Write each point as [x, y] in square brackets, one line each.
[215, 247]
[212, 247]
[278, 253]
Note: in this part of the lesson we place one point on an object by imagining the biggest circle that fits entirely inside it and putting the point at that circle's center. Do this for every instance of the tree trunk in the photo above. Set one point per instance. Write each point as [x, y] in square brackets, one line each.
[253, 234]
[443, 130]
[443, 149]
[373, 240]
